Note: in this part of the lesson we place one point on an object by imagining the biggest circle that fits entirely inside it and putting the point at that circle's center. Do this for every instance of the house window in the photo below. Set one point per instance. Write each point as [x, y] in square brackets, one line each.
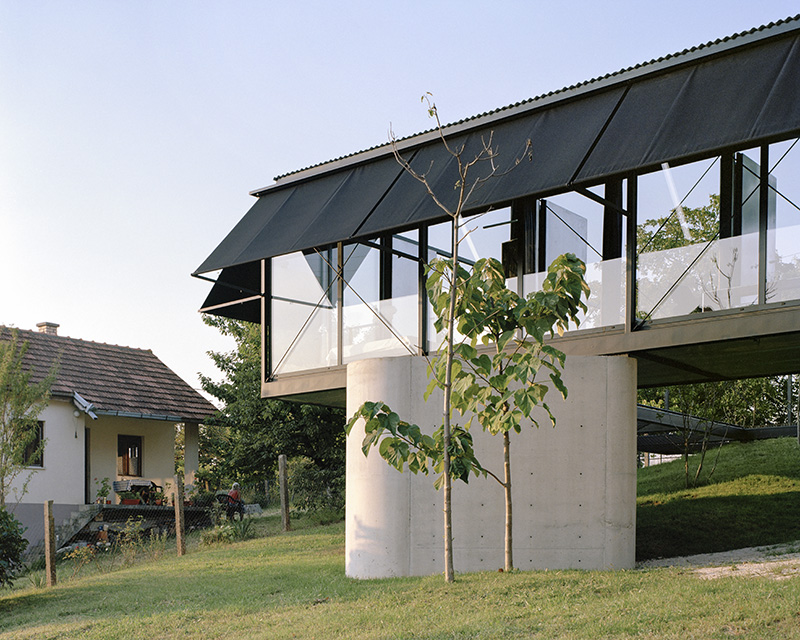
[129, 455]
[33, 455]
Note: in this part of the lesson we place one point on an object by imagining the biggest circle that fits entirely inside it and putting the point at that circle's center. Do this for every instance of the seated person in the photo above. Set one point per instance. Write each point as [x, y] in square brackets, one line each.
[235, 504]
[233, 494]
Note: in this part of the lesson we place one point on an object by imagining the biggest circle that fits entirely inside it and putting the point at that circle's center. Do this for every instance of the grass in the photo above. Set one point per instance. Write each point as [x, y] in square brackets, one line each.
[293, 586]
[752, 499]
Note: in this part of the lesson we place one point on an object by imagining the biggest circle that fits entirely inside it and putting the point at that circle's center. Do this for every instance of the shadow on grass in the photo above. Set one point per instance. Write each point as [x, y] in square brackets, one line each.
[719, 523]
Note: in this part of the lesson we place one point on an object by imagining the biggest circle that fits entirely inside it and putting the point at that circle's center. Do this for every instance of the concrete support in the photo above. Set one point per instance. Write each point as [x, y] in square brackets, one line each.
[574, 486]
[191, 451]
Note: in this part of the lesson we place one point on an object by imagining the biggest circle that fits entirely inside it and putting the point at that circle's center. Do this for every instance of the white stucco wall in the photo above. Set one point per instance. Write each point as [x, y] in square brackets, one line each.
[61, 479]
[158, 448]
[574, 487]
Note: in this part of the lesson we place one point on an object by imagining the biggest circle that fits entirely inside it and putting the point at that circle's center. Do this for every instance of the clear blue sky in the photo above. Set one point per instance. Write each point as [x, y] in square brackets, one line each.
[132, 132]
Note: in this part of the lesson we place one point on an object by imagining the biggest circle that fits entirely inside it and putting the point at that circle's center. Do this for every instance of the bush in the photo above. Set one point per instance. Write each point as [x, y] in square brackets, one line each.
[221, 533]
[314, 488]
[12, 546]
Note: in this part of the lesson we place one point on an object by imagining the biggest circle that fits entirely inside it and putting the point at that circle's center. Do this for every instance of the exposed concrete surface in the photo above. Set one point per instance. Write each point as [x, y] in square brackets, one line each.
[574, 486]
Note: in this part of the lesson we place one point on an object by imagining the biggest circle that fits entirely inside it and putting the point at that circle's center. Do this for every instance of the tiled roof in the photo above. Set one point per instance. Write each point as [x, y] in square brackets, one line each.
[117, 380]
[675, 58]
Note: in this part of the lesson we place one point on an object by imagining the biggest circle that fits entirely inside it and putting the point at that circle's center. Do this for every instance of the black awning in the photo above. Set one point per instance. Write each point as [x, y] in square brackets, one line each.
[732, 94]
[304, 215]
[237, 289]
[560, 137]
[733, 100]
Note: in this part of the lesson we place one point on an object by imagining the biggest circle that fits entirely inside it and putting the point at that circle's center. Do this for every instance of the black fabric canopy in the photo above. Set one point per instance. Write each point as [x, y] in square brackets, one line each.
[739, 92]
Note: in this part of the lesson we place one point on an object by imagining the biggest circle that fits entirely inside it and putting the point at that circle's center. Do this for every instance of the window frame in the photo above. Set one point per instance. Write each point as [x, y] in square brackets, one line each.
[124, 460]
[37, 463]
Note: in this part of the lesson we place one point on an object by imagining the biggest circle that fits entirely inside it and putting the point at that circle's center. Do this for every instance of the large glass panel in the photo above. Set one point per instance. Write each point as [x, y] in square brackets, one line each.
[783, 238]
[439, 245]
[687, 262]
[304, 301]
[402, 310]
[481, 236]
[375, 327]
[573, 223]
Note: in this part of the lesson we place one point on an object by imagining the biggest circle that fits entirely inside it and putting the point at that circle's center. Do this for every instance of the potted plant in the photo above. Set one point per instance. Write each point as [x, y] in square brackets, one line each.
[162, 497]
[103, 489]
[129, 497]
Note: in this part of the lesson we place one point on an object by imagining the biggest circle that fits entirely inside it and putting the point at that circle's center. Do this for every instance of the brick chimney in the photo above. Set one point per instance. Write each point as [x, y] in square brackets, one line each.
[50, 328]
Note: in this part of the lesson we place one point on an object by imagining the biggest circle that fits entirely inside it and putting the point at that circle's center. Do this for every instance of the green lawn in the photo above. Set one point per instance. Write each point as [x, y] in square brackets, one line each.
[752, 499]
[293, 586]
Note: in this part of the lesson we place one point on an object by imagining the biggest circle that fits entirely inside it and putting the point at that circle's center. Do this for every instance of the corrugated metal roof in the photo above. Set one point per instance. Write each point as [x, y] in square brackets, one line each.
[713, 47]
[117, 380]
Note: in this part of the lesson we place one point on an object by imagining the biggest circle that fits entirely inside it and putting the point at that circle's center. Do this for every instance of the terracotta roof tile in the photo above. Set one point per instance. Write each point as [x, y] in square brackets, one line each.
[113, 378]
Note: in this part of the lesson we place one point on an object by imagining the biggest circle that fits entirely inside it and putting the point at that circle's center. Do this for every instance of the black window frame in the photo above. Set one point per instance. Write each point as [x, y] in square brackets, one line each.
[27, 456]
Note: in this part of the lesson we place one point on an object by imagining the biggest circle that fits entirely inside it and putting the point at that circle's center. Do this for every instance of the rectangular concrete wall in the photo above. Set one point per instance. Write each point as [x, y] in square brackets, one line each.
[574, 486]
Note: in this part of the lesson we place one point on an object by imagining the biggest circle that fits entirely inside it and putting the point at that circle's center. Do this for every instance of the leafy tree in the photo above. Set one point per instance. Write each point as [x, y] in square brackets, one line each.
[668, 232]
[21, 402]
[499, 390]
[12, 546]
[243, 441]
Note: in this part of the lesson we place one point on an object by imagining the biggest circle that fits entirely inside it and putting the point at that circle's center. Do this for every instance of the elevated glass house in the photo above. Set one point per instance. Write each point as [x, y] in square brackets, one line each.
[677, 181]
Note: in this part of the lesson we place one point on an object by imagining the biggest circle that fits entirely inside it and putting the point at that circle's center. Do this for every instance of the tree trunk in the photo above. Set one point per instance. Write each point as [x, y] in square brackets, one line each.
[449, 573]
[509, 560]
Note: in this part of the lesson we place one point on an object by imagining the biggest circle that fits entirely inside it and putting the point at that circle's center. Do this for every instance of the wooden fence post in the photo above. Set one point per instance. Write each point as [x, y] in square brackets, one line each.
[283, 478]
[179, 520]
[49, 544]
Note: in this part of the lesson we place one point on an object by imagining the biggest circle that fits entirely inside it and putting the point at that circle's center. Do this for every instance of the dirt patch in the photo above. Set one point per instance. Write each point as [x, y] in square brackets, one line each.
[775, 569]
[778, 562]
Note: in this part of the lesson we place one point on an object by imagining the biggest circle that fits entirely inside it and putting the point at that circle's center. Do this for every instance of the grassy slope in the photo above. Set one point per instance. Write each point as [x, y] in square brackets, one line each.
[752, 499]
[293, 585]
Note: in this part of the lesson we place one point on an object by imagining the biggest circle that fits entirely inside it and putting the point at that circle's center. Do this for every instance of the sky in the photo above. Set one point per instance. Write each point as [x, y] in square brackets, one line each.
[131, 133]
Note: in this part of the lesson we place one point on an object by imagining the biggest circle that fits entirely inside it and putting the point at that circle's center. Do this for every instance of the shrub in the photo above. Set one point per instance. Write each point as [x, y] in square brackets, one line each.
[12, 546]
[218, 534]
[314, 488]
[243, 529]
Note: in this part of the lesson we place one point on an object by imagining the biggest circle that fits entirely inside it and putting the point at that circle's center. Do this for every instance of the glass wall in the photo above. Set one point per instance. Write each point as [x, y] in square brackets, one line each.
[573, 223]
[304, 312]
[688, 262]
[783, 237]
[482, 236]
[698, 240]
[380, 298]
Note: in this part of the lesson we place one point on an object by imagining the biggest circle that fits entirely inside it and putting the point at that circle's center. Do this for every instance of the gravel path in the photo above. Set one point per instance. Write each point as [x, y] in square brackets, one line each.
[777, 561]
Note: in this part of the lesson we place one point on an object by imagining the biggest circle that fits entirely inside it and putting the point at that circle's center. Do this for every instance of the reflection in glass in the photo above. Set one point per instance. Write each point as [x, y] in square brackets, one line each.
[686, 263]
[304, 314]
[783, 234]
[482, 236]
[375, 325]
[574, 224]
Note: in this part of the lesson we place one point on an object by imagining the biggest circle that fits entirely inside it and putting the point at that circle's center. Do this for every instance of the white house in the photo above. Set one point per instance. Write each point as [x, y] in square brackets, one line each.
[112, 414]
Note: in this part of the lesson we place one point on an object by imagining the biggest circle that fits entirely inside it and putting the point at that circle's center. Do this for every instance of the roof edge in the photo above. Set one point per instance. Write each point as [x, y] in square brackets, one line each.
[710, 49]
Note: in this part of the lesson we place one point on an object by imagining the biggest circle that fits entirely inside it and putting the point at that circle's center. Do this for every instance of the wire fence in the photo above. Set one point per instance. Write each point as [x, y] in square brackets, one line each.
[149, 513]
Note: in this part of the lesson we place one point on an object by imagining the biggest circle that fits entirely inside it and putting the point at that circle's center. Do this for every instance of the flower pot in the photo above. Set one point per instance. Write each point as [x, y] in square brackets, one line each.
[131, 501]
